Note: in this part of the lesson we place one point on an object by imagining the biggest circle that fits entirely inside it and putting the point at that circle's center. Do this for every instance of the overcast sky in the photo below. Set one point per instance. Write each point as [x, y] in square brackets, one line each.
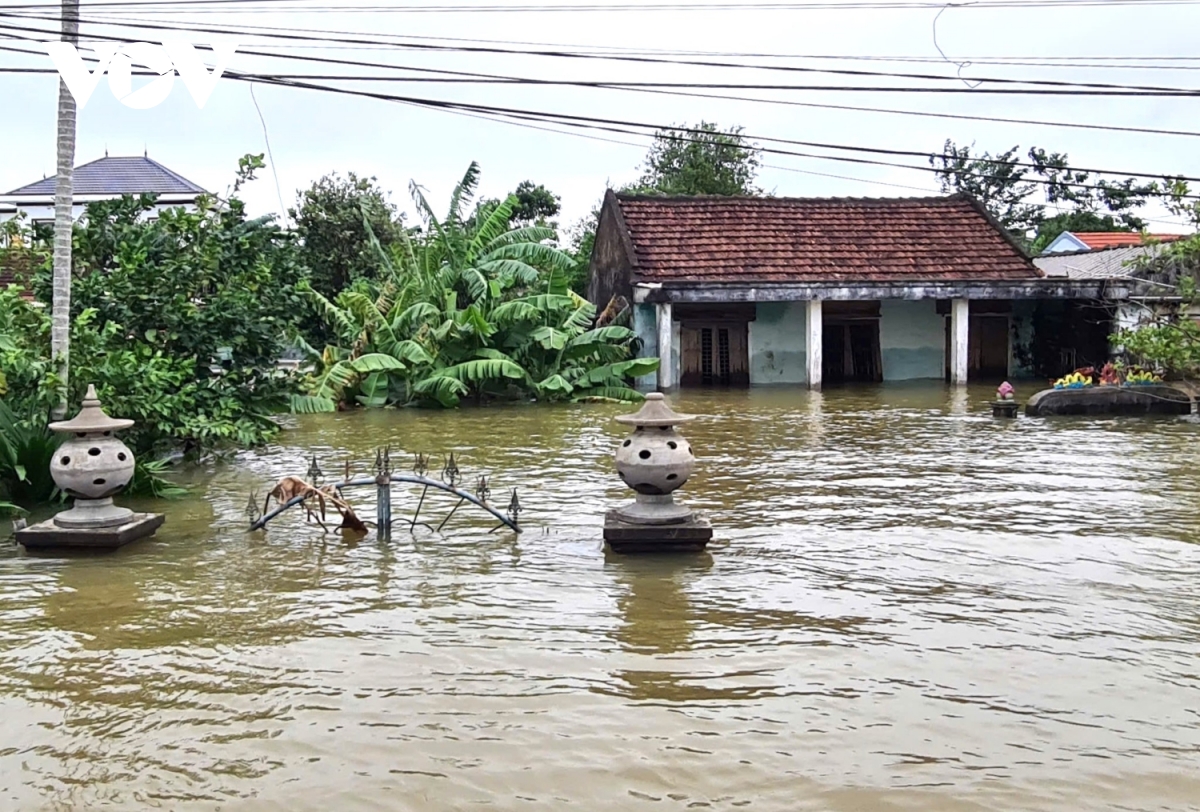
[313, 133]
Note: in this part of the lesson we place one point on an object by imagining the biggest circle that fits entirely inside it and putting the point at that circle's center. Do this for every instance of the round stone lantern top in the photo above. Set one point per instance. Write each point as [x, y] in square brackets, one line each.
[655, 412]
[91, 418]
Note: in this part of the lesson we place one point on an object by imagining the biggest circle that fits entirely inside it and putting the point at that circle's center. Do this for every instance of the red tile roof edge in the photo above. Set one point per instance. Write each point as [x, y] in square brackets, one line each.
[1018, 251]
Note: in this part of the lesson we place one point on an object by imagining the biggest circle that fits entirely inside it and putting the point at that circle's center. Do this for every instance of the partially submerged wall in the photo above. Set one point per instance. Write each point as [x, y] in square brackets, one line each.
[912, 340]
[777, 343]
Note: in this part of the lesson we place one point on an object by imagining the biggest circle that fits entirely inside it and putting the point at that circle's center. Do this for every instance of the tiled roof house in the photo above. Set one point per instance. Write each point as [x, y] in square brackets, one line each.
[103, 179]
[1072, 241]
[800, 290]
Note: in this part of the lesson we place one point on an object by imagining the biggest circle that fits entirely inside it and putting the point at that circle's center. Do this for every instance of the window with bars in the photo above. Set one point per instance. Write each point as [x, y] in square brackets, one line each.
[714, 356]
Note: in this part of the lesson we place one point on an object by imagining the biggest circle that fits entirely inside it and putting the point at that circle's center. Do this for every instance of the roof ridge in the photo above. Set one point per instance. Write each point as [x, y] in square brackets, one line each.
[1086, 251]
[622, 196]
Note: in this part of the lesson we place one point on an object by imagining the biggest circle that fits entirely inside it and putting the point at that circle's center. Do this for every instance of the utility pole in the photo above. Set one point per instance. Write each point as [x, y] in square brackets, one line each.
[64, 222]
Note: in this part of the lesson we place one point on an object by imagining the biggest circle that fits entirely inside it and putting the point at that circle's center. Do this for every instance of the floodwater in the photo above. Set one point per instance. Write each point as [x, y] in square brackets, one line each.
[909, 606]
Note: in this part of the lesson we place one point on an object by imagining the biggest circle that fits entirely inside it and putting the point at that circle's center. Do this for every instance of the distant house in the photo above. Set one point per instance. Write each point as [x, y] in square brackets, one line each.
[1071, 242]
[103, 179]
[1132, 298]
[746, 291]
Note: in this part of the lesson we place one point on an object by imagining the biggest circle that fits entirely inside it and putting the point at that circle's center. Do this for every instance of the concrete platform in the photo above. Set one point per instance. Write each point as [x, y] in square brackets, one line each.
[1110, 400]
[49, 536]
[623, 537]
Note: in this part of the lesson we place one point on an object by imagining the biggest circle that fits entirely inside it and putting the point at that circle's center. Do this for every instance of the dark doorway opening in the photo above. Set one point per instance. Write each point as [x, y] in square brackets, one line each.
[850, 352]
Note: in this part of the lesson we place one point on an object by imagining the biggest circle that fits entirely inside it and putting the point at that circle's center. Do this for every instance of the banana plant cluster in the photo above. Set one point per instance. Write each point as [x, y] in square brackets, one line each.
[469, 309]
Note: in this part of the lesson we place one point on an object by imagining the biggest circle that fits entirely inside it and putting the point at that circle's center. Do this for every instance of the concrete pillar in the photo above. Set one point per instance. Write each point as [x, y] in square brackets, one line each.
[813, 344]
[960, 322]
[666, 375]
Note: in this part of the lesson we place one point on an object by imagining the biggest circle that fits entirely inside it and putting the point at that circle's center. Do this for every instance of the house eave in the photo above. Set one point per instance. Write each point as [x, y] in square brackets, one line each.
[42, 200]
[715, 293]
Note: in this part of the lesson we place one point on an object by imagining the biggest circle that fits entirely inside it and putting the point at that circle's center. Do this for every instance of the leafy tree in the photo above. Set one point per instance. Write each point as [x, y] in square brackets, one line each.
[535, 206]
[1075, 221]
[684, 161]
[473, 308]
[331, 219]
[700, 160]
[180, 320]
[996, 181]
[1011, 192]
[1169, 336]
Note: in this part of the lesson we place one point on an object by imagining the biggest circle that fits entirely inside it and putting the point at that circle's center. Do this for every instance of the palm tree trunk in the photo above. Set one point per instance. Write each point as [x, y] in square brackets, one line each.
[60, 333]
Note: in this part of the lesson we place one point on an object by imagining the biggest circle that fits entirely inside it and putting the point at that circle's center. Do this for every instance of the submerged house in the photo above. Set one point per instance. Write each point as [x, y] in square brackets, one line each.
[1134, 294]
[746, 291]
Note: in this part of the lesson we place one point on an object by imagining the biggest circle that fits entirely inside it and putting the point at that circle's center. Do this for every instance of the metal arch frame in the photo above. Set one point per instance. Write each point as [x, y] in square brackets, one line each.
[462, 495]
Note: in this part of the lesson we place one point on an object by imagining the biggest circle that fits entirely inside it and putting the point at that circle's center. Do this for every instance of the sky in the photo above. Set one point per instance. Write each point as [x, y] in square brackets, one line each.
[311, 133]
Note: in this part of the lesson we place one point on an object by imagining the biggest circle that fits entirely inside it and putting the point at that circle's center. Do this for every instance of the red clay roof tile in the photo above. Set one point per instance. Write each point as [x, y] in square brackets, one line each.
[750, 240]
[1096, 240]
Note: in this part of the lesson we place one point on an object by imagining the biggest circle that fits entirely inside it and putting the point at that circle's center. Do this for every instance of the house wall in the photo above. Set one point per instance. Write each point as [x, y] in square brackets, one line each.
[609, 273]
[45, 213]
[912, 339]
[777, 343]
[645, 325]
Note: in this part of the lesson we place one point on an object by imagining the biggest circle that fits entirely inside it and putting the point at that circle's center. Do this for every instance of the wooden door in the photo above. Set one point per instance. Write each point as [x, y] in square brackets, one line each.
[716, 354]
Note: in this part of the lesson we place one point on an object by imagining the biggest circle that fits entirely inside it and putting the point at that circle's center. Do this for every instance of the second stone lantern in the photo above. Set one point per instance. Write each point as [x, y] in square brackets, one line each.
[655, 461]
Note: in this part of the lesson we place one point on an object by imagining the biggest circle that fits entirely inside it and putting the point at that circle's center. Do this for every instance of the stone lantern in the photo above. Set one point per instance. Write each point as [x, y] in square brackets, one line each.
[91, 466]
[1005, 404]
[655, 461]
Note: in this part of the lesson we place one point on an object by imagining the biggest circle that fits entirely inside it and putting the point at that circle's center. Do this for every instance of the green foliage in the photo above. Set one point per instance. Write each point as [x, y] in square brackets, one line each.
[179, 321]
[1168, 339]
[995, 181]
[26, 449]
[1076, 221]
[332, 219]
[534, 205]
[1011, 192]
[700, 160]
[684, 161]
[475, 309]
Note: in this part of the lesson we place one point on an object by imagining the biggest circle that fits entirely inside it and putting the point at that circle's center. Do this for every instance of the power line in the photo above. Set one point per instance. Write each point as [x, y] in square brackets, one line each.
[668, 130]
[671, 89]
[581, 120]
[1132, 92]
[286, 33]
[259, 6]
[294, 82]
[620, 86]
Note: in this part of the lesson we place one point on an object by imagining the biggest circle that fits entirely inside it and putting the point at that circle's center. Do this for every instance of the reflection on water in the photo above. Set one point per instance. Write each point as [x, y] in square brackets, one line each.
[909, 605]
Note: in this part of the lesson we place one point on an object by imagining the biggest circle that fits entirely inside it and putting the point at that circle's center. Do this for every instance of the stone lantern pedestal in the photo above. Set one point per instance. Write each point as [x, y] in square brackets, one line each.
[91, 466]
[655, 461]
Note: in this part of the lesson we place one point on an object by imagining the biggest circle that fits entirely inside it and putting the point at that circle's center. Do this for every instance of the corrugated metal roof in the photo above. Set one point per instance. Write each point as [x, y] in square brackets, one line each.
[118, 176]
[1110, 263]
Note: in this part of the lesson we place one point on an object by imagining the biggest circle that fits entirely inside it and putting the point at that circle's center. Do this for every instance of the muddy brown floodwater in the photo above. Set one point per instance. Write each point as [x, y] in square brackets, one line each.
[910, 606]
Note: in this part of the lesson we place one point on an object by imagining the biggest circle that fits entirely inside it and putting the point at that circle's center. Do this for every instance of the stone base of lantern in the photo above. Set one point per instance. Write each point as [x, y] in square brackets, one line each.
[1004, 408]
[622, 536]
[48, 535]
